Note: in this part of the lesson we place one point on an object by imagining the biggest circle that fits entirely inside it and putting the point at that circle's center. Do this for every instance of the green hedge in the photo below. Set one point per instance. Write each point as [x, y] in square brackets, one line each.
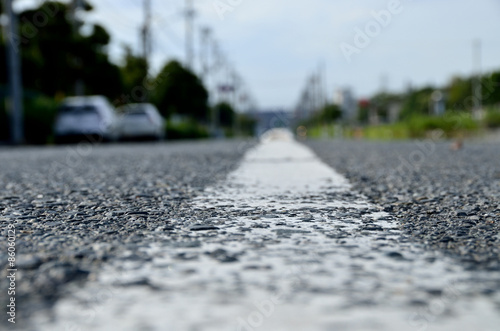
[186, 130]
[397, 131]
[451, 124]
[39, 114]
[493, 119]
[39, 117]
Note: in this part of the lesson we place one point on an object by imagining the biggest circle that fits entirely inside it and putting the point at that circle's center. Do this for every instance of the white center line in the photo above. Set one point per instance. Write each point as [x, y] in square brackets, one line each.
[294, 249]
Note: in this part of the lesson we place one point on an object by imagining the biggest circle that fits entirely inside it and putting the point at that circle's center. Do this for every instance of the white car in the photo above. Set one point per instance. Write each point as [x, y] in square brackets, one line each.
[141, 121]
[85, 117]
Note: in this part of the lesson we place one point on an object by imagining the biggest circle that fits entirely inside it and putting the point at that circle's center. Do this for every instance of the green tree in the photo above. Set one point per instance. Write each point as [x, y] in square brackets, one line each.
[247, 124]
[459, 91]
[416, 102]
[54, 57]
[134, 71]
[179, 91]
[227, 115]
[364, 111]
[98, 73]
[491, 89]
[330, 113]
[45, 69]
[382, 103]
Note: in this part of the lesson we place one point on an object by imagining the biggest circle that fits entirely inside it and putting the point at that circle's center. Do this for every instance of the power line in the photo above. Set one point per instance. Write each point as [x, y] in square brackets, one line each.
[170, 35]
[119, 16]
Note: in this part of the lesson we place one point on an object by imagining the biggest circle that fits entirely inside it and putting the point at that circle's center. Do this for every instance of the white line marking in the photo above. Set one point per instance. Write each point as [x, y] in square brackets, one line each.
[308, 255]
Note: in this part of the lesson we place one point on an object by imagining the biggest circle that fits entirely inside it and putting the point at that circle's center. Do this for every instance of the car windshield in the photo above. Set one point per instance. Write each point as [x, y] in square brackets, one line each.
[78, 110]
[136, 113]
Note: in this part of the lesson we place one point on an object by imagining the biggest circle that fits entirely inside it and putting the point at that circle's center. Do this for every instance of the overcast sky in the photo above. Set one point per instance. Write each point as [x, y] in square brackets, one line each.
[276, 44]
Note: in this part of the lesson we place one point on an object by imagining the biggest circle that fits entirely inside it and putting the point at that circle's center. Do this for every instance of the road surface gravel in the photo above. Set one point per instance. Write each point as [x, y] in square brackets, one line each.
[156, 235]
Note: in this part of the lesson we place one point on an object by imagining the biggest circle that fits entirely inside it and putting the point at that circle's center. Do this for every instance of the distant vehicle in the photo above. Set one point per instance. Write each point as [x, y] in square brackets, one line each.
[141, 121]
[89, 116]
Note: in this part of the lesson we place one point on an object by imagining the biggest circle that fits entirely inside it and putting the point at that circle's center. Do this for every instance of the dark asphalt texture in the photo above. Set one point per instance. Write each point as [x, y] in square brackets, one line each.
[77, 206]
[448, 200]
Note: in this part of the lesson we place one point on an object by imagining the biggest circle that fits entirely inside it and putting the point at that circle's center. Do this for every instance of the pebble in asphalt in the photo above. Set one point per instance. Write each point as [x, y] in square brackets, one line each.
[283, 244]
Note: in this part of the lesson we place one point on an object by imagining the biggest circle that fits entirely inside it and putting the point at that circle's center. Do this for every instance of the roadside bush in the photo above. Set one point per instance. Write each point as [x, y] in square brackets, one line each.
[451, 124]
[395, 131]
[493, 119]
[186, 130]
[247, 125]
[39, 114]
[39, 117]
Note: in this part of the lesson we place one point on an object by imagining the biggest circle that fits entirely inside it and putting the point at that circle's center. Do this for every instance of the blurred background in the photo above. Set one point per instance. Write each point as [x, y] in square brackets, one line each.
[220, 68]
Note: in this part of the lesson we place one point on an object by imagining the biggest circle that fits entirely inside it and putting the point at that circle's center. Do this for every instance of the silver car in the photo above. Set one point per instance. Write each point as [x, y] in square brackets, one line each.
[141, 121]
[89, 116]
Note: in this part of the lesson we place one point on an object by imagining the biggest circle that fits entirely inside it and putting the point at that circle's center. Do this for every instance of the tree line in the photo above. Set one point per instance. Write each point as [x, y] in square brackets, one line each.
[57, 60]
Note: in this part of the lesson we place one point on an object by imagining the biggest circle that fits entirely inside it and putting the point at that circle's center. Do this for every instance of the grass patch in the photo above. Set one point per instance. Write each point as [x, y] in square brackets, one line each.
[453, 124]
[396, 131]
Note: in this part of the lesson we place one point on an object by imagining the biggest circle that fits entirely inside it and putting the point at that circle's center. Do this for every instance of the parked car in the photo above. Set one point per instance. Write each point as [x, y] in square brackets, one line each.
[141, 121]
[89, 116]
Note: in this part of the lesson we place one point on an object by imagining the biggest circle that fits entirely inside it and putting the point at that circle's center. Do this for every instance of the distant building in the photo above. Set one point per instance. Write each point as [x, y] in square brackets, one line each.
[344, 98]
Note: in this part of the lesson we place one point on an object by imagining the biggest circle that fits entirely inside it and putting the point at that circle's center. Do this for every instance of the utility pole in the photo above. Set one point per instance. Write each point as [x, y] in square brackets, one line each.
[218, 65]
[477, 89]
[324, 74]
[218, 87]
[76, 5]
[146, 32]
[384, 83]
[15, 102]
[321, 85]
[206, 46]
[205, 70]
[190, 13]
[313, 93]
[236, 85]
[205, 52]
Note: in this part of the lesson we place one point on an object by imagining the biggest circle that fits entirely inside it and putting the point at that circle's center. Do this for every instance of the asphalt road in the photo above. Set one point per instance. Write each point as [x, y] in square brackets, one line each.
[84, 212]
[74, 207]
[449, 200]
